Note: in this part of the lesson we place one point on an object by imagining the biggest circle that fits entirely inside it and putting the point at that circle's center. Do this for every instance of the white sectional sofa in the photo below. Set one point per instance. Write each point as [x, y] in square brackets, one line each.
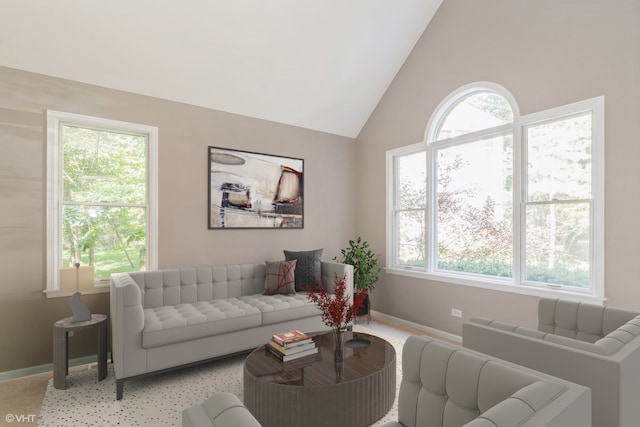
[596, 346]
[165, 319]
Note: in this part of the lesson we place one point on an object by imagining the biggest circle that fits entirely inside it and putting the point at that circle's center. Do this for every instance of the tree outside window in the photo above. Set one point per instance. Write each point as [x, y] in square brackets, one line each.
[101, 196]
[492, 197]
[104, 190]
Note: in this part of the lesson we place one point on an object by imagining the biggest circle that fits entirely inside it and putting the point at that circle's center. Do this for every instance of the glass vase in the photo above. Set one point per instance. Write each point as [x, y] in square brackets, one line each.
[338, 353]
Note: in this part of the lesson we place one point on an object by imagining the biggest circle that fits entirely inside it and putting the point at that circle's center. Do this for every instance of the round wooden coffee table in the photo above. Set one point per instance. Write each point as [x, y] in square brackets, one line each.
[315, 391]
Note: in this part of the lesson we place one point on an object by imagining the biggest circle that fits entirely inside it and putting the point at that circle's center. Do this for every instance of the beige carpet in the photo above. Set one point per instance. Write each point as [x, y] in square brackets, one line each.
[157, 400]
[21, 399]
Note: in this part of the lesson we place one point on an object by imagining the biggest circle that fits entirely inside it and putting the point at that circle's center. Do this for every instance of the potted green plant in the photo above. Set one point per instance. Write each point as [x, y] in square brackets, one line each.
[366, 268]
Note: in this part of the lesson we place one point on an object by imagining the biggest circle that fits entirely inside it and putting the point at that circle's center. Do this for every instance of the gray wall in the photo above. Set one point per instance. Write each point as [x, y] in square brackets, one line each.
[26, 315]
[547, 53]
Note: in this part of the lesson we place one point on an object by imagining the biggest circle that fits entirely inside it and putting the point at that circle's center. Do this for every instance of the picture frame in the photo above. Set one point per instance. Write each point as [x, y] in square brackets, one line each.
[254, 190]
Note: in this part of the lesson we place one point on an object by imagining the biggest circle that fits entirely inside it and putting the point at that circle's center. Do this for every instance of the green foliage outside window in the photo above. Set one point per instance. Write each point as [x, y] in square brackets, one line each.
[474, 193]
[104, 203]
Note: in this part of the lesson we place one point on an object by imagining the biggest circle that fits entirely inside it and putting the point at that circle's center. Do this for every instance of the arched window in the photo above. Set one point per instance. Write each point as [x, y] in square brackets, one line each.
[472, 155]
[492, 197]
[471, 110]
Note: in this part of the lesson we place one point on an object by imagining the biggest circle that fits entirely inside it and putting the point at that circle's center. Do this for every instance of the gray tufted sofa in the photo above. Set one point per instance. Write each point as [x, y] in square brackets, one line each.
[165, 319]
[443, 385]
[596, 346]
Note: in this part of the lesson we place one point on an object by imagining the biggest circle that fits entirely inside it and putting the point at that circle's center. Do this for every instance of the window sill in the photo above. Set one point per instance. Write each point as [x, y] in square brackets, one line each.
[97, 289]
[498, 285]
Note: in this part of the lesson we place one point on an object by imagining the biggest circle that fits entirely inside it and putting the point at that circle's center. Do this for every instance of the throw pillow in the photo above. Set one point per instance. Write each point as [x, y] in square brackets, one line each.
[308, 267]
[280, 278]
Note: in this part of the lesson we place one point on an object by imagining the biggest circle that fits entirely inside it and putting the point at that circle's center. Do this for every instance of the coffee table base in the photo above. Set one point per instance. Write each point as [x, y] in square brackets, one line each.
[354, 403]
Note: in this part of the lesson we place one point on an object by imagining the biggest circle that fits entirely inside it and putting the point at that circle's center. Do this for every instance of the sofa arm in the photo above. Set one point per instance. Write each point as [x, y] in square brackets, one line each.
[460, 385]
[600, 373]
[486, 338]
[127, 322]
[508, 327]
[331, 270]
[221, 410]
[605, 346]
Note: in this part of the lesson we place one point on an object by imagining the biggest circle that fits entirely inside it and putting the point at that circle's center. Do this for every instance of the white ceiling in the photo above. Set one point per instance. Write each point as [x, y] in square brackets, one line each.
[318, 64]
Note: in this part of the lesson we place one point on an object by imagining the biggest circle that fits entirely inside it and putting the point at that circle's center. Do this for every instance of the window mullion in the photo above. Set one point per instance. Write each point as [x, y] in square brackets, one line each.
[558, 202]
[519, 192]
[105, 204]
[475, 136]
[430, 214]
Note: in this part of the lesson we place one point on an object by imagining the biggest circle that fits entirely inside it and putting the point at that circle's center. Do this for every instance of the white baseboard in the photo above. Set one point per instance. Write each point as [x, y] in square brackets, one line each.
[48, 367]
[427, 329]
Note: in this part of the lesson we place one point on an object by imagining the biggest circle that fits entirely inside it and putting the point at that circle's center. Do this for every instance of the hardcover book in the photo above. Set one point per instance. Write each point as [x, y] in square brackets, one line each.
[287, 339]
[293, 348]
[288, 357]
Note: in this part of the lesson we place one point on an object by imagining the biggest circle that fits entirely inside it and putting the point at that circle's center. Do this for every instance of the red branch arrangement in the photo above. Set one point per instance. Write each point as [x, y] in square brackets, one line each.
[337, 311]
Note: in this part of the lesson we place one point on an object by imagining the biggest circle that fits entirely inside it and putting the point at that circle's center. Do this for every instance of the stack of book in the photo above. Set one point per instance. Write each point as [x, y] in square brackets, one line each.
[291, 345]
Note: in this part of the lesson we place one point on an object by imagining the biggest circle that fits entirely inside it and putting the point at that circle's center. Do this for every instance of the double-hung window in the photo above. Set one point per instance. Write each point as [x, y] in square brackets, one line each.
[101, 200]
[496, 200]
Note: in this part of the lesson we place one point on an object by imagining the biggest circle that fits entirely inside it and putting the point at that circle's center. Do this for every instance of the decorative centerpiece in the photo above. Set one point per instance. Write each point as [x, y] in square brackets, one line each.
[337, 309]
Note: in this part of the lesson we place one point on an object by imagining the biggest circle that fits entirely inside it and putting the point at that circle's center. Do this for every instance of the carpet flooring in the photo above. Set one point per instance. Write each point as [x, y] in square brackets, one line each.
[157, 400]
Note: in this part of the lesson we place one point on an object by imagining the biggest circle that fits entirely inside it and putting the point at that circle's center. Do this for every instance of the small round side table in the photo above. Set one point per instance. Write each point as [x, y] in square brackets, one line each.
[61, 330]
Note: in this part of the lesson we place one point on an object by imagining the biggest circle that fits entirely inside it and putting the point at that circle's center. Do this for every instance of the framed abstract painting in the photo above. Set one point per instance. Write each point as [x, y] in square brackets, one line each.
[254, 190]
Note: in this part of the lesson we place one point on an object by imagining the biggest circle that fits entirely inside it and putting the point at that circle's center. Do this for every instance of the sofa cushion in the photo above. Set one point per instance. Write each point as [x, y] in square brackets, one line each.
[183, 322]
[281, 308]
[308, 267]
[187, 285]
[280, 277]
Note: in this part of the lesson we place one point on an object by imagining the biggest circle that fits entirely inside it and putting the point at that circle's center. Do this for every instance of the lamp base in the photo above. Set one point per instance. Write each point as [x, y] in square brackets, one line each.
[80, 312]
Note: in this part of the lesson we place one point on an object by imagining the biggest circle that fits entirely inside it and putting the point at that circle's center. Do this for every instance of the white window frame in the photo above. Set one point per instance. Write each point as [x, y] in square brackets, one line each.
[392, 199]
[56, 119]
[515, 284]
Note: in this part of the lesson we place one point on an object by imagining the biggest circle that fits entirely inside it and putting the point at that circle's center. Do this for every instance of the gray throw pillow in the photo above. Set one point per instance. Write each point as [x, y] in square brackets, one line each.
[308, 267]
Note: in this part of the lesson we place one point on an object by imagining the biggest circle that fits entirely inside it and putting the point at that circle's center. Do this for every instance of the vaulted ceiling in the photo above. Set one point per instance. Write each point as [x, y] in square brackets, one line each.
[317, 64]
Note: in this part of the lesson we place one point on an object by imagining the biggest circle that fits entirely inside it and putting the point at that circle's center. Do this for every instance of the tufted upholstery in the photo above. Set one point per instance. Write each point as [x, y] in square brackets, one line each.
[592, 345]
[220, 410]
[444, 385]
[188, 285]
[279, 308]
[168, 318]
[584, 322]
[176, 323]
[184, 322]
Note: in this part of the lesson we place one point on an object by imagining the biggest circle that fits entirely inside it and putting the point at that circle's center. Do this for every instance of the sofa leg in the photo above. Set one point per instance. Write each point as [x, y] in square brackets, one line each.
[119, 389]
